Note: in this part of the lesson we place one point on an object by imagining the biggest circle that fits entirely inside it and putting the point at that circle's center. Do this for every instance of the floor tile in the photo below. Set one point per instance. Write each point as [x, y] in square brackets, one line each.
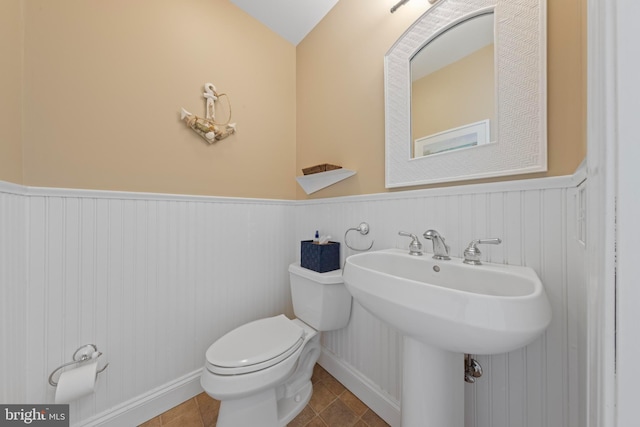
[188, 419]
[339, 415]
[373, 420]
[321, 397]
[317, 422]
[334, 385]
[303, 418]
[319, 374]
[208, 408]
[353, 403]
[188, 407]
[153, 422]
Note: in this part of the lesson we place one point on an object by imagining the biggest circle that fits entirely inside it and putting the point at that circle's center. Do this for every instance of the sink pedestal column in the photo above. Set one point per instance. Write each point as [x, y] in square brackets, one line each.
[432, 386]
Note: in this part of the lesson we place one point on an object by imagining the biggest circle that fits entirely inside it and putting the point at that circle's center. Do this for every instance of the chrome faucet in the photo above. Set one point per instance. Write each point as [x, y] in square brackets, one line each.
[415, 247]
[440, 248]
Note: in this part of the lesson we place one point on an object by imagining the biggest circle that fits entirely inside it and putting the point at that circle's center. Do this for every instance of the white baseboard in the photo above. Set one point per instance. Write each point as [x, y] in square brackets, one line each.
[372, 396]
[146, 406]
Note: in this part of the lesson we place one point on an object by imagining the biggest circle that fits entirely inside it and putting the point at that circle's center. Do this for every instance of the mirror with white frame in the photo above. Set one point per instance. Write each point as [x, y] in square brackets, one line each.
[494, 127]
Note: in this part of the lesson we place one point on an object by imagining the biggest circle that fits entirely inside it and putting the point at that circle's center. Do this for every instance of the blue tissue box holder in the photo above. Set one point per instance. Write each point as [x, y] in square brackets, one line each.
[320, 258]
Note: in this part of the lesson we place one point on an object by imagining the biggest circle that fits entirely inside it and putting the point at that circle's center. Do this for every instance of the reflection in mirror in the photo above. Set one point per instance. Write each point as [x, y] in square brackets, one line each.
[453, 89]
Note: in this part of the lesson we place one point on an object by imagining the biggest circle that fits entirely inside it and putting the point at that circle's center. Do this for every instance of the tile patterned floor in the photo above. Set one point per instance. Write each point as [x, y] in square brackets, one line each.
[331, 405]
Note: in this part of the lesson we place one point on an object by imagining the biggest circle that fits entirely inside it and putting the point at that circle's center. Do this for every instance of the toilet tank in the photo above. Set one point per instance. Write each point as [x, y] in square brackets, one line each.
[319, 299]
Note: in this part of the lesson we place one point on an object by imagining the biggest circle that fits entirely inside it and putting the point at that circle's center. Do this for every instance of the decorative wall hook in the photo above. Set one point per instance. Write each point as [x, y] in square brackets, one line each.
[208, 128]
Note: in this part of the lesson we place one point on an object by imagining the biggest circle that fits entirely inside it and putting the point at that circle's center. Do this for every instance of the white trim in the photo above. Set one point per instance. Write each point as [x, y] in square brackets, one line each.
[11, 188]
[545, 183]
[149, 405]
[378, 401]
[130, 195]
[628, 208]
[555, 182]
[23, 190]
[601, 214]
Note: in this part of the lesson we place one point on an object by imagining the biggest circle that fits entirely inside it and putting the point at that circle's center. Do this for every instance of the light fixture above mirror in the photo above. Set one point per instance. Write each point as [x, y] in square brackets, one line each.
[402, 2]
[517, 132]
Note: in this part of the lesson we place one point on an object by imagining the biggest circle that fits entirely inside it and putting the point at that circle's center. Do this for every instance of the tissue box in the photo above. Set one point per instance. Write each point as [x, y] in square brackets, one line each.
[320, 258]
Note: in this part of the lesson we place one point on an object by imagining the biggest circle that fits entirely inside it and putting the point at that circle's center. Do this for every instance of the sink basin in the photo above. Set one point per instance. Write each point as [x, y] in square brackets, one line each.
[475, 309]
[444, 309]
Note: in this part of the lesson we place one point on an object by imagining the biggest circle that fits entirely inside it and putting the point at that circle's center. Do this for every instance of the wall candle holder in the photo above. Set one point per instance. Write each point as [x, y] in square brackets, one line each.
[208, 128]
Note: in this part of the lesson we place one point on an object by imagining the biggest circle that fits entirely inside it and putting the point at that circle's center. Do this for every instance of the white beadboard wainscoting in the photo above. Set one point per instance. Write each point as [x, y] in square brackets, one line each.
[13, 294]
[153, 280]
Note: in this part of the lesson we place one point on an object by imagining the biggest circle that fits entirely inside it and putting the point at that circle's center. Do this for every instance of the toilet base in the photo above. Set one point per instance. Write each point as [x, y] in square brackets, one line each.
[256, 409]
[263, 409]
[275, 406]
[290, 407]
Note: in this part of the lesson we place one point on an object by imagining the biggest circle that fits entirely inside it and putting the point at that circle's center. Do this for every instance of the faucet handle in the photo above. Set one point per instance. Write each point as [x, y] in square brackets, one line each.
[415, 247]
[472, 253]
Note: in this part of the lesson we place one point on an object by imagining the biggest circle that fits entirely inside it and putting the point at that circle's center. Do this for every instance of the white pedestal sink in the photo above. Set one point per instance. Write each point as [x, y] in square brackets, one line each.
[445, 309]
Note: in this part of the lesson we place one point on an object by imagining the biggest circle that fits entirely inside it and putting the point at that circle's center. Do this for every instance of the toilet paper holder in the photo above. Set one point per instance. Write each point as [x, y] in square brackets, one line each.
[82, 354]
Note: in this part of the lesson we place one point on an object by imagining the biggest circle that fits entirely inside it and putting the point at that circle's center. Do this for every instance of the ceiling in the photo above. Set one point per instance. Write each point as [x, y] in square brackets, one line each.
[292, 19]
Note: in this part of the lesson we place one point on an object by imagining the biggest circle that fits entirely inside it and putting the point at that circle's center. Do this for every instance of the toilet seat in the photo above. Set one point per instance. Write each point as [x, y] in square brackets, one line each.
[255, 346]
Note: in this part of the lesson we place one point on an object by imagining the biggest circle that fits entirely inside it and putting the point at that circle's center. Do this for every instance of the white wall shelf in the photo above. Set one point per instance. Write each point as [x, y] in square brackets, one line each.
[318, 181]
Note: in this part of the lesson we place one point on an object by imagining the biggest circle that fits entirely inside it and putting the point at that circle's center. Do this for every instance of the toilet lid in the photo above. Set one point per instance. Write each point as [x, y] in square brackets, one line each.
[254, 346]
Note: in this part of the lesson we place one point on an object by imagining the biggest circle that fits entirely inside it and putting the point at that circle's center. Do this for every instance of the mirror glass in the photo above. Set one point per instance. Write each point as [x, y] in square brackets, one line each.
[456, 131]
[453, 89]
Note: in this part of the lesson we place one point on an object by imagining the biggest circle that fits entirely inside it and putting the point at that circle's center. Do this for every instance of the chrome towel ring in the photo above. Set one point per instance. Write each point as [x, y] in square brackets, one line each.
[363, 229]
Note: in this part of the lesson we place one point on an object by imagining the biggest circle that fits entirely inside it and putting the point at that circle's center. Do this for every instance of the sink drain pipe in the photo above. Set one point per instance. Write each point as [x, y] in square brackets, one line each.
[472, 369]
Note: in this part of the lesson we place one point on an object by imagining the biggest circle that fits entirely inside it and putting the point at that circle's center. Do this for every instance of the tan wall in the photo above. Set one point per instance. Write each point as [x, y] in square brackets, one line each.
[340, 91]
[459, 94]
[11, 90]
[105, 81]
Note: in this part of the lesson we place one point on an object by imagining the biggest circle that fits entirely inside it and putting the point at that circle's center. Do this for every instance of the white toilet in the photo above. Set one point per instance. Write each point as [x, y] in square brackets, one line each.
[261, 371]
